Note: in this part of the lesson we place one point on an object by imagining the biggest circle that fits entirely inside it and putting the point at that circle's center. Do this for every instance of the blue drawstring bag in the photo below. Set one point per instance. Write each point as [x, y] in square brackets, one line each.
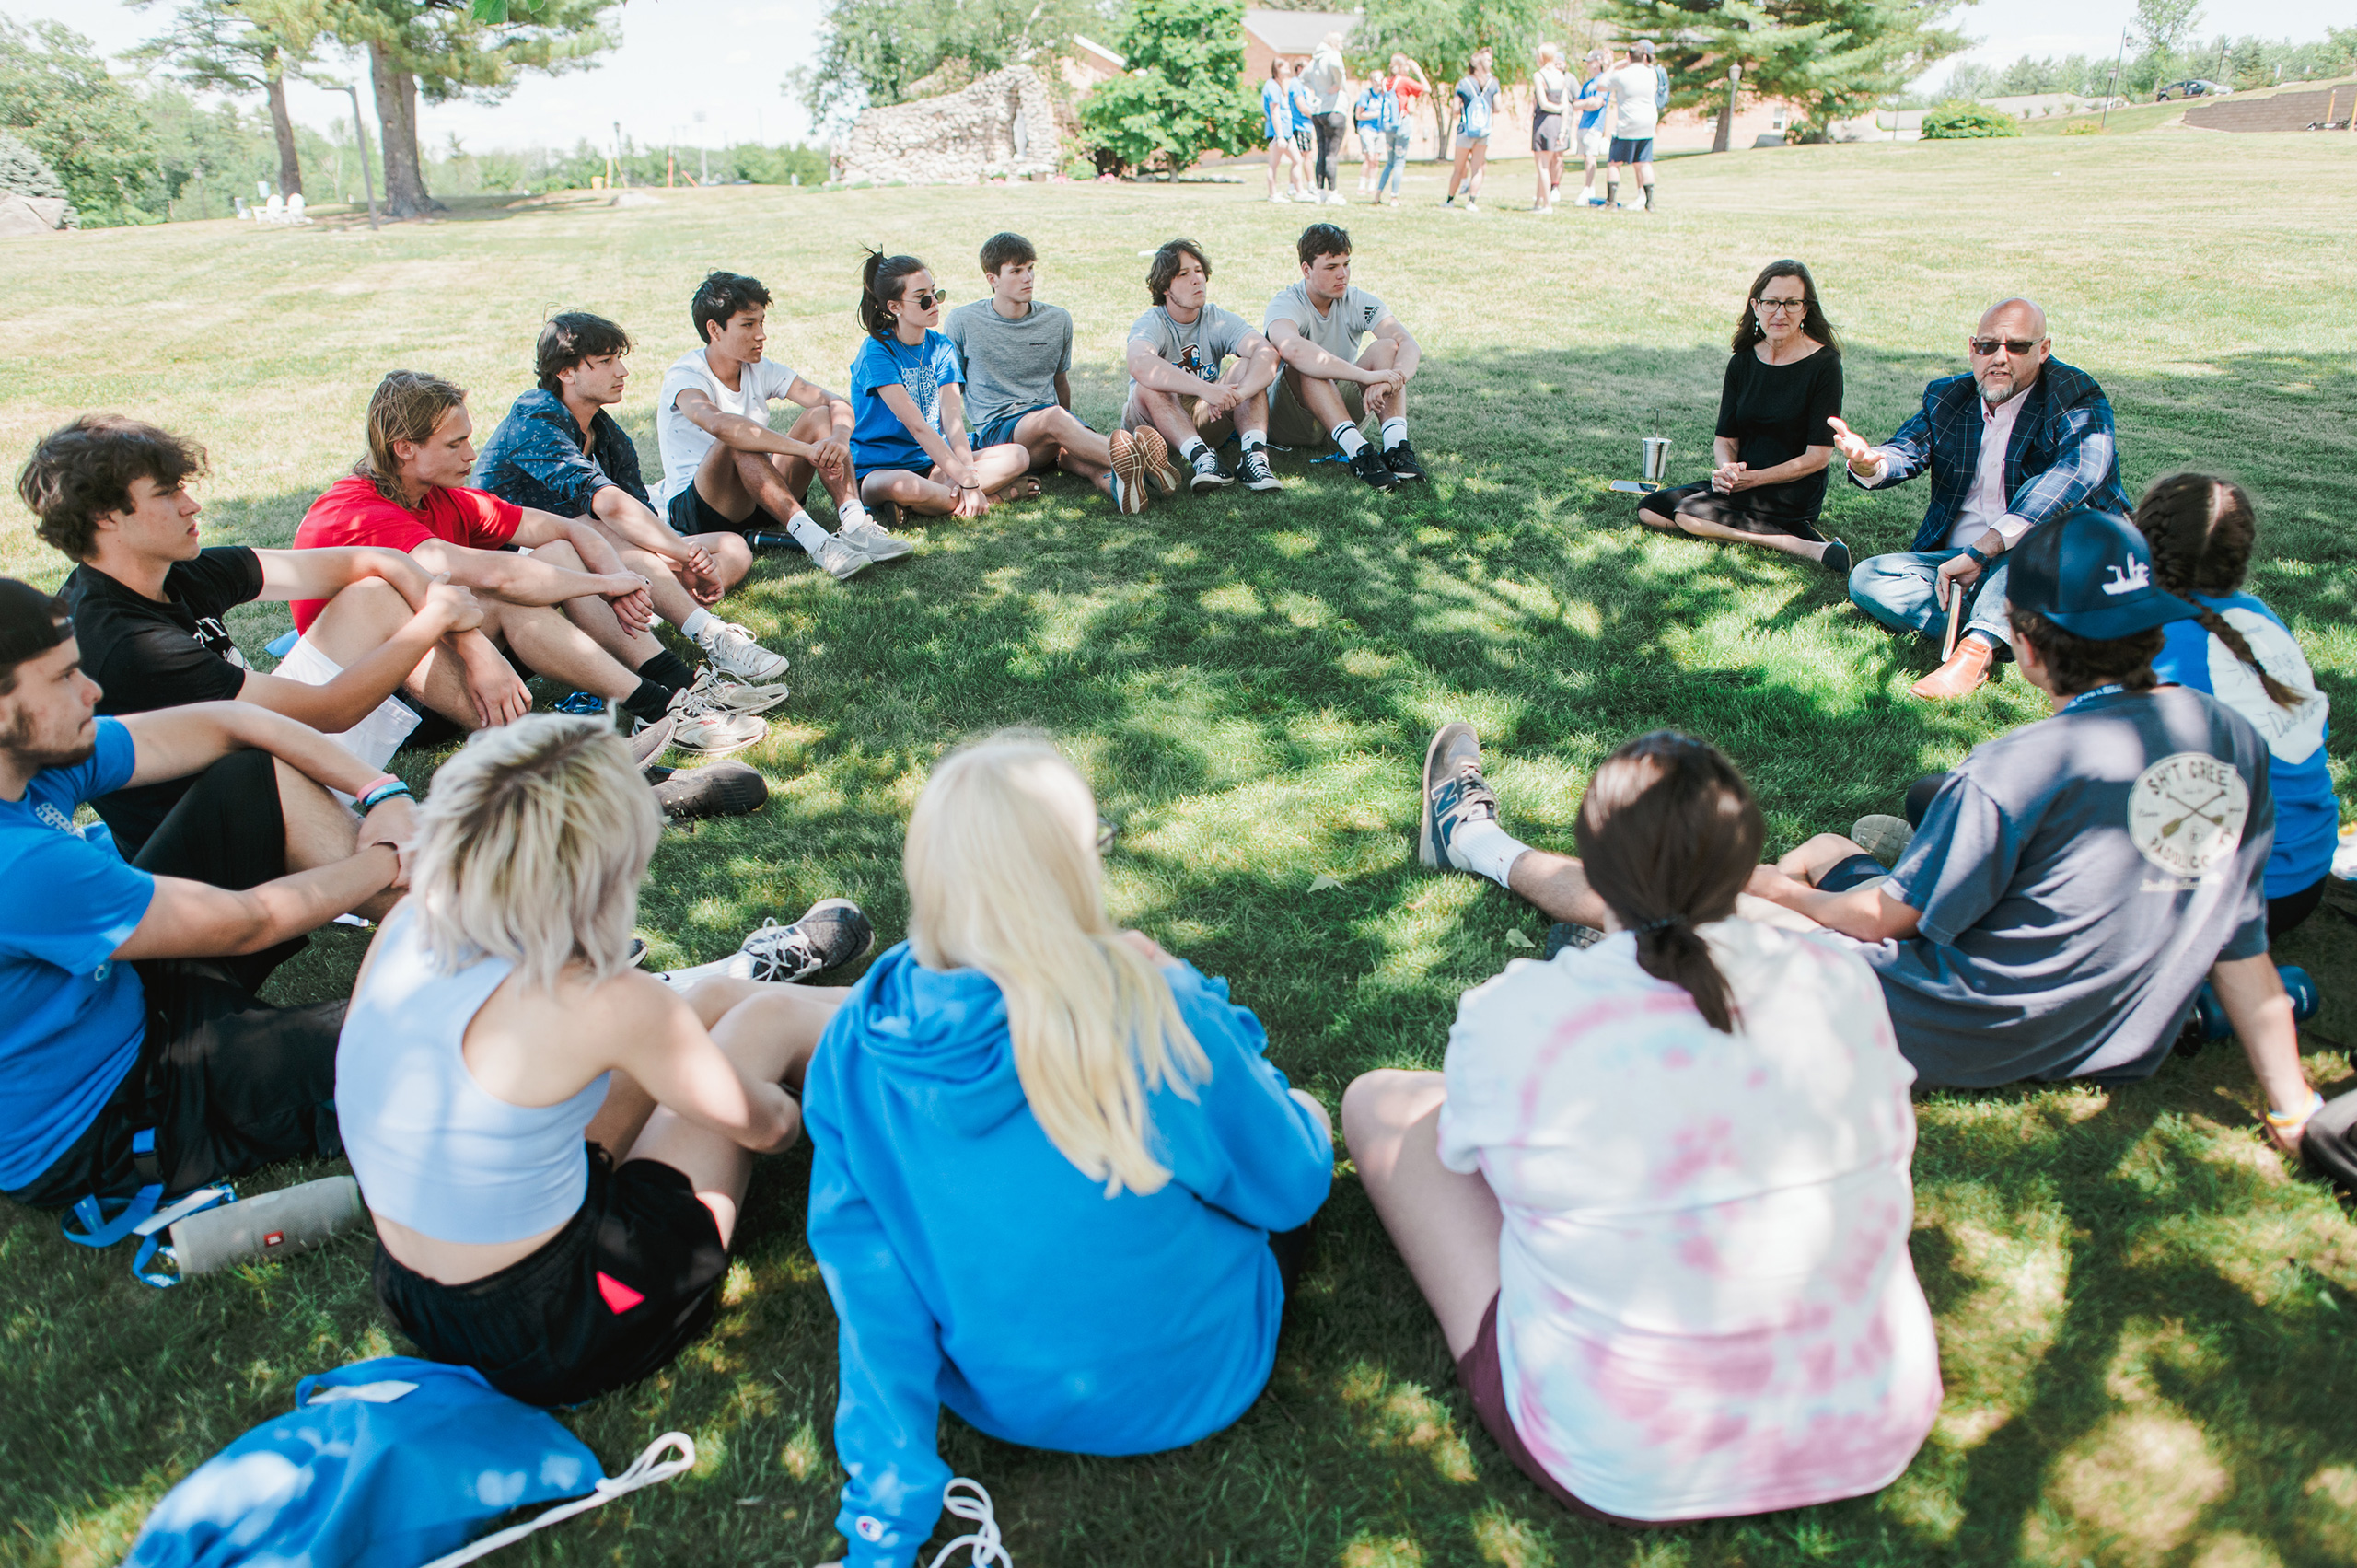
[382, 1464]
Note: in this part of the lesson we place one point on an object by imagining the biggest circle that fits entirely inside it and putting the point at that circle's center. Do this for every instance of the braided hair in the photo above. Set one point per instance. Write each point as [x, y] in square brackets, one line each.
[1669, 834]
[2200, 531]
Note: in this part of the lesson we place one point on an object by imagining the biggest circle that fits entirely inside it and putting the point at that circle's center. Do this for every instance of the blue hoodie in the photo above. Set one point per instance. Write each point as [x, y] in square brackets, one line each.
[973, 1266]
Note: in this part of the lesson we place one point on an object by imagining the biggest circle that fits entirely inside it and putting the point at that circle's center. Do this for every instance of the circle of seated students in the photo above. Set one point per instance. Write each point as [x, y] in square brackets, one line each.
[2053, 908]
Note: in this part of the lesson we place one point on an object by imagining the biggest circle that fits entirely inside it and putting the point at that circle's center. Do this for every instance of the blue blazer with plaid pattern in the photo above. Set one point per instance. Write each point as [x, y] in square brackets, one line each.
[2063, 454]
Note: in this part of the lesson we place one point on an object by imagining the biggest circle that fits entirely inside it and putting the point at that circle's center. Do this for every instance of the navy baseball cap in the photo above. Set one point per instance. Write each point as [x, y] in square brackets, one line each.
[2091, 574]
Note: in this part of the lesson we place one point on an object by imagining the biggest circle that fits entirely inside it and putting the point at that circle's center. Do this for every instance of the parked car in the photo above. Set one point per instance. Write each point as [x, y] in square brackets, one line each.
[2191, 88]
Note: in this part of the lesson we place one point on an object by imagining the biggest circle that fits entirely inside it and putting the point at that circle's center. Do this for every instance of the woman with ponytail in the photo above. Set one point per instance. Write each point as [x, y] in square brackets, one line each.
[2201, 531]
[908, 449]
[1053, 1172]
[1658, 1194]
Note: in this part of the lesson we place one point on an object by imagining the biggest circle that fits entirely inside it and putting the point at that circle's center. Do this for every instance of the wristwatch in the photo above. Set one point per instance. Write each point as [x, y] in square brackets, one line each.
[1978, 558]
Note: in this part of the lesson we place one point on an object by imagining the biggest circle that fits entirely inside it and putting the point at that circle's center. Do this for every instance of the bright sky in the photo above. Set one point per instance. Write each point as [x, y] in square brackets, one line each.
[725, 59]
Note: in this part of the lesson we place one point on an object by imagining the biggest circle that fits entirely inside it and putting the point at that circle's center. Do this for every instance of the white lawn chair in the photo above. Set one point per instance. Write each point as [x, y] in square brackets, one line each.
[295, 209]
[274, 211]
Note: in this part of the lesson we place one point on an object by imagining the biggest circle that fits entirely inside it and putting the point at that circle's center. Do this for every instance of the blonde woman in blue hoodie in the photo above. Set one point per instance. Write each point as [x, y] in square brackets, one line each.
[1048, 1162]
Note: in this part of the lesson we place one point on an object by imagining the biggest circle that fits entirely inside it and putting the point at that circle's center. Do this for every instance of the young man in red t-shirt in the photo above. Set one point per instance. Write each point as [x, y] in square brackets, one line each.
[568, 609]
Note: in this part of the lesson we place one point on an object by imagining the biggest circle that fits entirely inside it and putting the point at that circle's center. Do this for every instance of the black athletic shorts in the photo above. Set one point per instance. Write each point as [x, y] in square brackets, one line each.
[691, 514]
[630, 1281]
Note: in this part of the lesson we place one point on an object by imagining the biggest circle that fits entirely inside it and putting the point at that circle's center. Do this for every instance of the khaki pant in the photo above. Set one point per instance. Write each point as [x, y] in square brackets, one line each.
[1291, 424]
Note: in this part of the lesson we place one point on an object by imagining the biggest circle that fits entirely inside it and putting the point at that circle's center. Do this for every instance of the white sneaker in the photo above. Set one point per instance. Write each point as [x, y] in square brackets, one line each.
[1471, 205]
[840, 559]
[872, 539]
[715, 693]
[707, 730]
[734, 653]
[1280, 198]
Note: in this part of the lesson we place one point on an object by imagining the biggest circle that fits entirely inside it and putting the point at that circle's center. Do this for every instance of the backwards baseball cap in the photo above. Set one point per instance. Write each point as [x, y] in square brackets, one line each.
[2091, 574]
[1643, 46]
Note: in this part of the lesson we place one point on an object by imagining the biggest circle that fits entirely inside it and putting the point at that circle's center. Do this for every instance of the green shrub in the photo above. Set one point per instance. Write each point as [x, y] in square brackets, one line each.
[2083, 128]
[1960, 118]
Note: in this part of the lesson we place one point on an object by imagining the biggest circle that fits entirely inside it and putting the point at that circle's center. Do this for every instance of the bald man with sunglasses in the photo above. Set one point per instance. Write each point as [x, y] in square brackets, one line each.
[2013, 443]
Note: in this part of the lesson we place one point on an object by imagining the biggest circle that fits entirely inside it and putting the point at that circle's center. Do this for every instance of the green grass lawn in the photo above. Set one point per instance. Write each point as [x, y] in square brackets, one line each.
[2148, 1323]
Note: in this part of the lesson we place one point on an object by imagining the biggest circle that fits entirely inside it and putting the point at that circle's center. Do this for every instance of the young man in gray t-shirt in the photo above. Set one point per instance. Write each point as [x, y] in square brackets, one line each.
[2073, 882]
[1196, 373]
[1015, 354]
[1329, 383]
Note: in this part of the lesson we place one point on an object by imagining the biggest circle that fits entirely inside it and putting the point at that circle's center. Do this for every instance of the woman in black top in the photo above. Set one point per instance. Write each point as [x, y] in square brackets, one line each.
[1782, 385]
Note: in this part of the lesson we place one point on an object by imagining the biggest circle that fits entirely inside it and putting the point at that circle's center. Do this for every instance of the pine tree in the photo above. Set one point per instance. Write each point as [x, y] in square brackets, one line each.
[24, 172]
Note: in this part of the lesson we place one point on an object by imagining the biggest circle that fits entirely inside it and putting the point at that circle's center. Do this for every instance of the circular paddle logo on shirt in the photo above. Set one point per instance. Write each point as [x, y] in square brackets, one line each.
[2186, 812]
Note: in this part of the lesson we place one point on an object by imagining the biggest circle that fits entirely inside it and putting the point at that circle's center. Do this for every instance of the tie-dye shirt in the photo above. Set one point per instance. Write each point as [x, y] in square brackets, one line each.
[1706, 1306]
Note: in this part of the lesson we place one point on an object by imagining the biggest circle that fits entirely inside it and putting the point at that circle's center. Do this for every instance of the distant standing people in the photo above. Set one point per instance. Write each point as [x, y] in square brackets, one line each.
[1783, 388]
[1276, 123]
[1477, 107]
[1185, 395]
[2201, 531]
[2017, 441]
[1327, 384]
[1328, 83]
[1304, 131]
[1706, 1309]
[1368, 116]
[1408, 84]
[1635, 90]
[1550, 93]
[909, 450]
[1595, 141]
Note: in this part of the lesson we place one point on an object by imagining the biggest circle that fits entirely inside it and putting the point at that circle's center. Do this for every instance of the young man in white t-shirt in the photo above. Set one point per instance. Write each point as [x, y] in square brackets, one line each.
[724, 468]
[1197, 373]
[1634, 91]
[1328, 385]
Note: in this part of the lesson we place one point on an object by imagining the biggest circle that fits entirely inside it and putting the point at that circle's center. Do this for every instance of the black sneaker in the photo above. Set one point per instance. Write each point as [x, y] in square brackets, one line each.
[1253, 468]
[831, 933]
[1568, 934]
[723, 789]
[1402, 460]
[1369, 466]
[1455, 791]
[1208, 474]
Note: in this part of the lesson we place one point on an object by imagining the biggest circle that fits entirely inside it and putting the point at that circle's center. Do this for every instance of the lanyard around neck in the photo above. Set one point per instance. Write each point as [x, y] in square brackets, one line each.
[2112, 689]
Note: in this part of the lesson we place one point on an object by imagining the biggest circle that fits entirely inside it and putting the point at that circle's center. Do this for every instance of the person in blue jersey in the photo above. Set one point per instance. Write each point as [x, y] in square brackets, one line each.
[2200, 531]
[1056, 1186]
[909, 450]
[1276, 126]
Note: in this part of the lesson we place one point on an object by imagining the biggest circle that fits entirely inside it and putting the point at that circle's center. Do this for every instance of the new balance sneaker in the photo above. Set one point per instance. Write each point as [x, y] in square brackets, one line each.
[840, 559]
[1154, 459]
[734, 653]
[872, 539]
[1253, 468]
[1402, 460]
[1208, 474]
[831, 933]
[717, 693]
[1127, 481]
[1369, 466]
[1455, 791]
[723, 789]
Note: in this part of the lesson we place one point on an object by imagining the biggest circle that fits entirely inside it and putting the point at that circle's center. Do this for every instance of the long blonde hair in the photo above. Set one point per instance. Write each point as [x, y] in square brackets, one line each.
[530, 849]
[1004, 878]
[407, 405]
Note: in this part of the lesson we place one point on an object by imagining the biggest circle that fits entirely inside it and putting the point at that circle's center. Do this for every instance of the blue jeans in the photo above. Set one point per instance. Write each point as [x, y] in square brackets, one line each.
[1394, 174]
[1897, 590]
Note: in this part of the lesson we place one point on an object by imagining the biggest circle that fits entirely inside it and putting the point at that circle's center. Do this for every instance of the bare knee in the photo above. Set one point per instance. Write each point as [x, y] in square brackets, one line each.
[731, 556]
[560, 555]
[1818, 856]
[1380, 1106]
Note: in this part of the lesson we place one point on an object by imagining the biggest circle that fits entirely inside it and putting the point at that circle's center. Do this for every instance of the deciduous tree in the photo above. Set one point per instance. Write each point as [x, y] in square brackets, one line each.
[57, 95]
[1184, 93]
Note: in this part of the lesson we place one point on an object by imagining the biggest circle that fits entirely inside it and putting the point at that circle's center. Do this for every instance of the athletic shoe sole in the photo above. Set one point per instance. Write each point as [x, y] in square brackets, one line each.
[1885, 838]
[1155, 453]
[725, 789]
[1427, 843]
[1129, 467]
[756, 700]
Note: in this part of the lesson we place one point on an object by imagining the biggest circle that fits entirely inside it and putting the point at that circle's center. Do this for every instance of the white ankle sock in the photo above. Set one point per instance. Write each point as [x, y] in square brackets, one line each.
[696, 622]
[807, 534]
[1194, 445]
[1486, 850]
[851, 514]
[1254, 438]
[1394, 430]
[1346, 436]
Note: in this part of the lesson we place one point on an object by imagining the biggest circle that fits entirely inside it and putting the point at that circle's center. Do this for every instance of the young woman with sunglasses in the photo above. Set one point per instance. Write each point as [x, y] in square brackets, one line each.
[909, 450]
[1782, 392]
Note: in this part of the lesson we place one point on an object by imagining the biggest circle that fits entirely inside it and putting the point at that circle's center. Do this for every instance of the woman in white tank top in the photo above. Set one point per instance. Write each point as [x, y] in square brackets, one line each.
[553, 1145]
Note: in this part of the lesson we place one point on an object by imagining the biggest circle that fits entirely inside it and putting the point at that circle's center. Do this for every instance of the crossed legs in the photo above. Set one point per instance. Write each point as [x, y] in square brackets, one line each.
[998, 469]
[1446, 1224]
[1056, 436]
[1183, 418]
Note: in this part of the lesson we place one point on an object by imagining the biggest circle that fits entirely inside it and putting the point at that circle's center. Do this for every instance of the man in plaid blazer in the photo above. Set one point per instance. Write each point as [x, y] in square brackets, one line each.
[2018, 441]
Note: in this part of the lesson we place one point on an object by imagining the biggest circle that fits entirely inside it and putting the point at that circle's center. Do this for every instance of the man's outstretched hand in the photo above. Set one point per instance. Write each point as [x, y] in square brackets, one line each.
[1853, 448]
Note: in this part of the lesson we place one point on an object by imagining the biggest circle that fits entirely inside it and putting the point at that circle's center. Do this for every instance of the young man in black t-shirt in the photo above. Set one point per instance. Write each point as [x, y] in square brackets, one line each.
[149, 605]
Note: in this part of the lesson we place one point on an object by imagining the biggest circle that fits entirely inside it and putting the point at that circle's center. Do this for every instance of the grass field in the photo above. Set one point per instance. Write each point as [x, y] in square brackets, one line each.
[2148, 1323]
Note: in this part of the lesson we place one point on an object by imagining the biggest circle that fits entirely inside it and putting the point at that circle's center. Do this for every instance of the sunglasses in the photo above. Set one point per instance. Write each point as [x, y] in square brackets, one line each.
[1781, 306]
[929, 298]
[1984, 347]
